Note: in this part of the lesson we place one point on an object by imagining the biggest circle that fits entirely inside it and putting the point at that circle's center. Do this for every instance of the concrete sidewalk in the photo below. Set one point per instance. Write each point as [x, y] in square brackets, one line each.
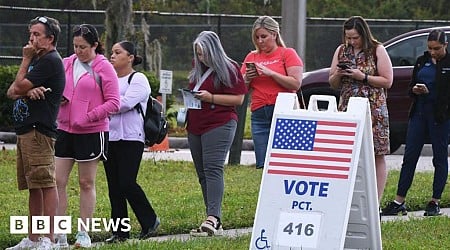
[393, 161]
[247, 231]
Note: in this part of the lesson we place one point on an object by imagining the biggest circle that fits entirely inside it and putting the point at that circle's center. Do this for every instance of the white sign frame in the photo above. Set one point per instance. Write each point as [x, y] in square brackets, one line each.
[278, 204]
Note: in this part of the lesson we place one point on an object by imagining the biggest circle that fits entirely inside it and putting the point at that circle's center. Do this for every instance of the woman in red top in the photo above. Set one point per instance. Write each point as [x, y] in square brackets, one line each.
[277, 69]
[211, 128]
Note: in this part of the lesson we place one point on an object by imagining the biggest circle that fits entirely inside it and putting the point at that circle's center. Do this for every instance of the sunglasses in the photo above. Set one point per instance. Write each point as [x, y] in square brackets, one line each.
[44, 20]
[82, 29]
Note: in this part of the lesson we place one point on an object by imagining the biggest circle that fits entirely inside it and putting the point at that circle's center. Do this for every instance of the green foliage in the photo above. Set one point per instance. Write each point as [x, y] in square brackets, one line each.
[176, 197]
[375, 9]
[393, 9]
[153, 81]
[7, 76]
[250, 7]
[172, 187]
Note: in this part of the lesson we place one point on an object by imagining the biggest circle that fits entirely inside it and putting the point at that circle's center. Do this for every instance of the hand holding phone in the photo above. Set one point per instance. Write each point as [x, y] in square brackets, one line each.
[420, 85]
[422, 88]
[191, 91]
[251, 66]
[343, 65]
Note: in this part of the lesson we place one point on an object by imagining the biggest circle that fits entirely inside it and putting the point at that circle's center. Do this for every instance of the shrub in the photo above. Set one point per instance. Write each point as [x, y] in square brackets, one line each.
[7, 76]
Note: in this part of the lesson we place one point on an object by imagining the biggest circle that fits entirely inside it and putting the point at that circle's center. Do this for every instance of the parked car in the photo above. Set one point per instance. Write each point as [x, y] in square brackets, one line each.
[403, 51]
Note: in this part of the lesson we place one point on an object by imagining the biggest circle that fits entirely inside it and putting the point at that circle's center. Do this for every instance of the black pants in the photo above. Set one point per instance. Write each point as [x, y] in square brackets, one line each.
[122, 167]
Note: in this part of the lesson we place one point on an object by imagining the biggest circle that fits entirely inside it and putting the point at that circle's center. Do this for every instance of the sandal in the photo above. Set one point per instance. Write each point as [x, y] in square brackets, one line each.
[198, 232]
[212, 228]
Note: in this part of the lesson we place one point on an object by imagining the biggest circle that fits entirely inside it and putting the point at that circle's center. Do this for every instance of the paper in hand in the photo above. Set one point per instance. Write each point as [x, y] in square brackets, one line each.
[189, 99]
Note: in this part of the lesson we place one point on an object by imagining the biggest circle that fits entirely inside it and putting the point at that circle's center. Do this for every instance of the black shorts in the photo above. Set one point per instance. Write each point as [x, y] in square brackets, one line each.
[81, 147]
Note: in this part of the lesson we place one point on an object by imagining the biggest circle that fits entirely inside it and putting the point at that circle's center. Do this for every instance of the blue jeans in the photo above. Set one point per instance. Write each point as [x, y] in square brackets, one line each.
[422, 123]
[261, 122]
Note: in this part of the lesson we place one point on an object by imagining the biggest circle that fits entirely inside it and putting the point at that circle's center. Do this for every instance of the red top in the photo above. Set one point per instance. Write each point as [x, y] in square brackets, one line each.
[200, 121]
[264, 88]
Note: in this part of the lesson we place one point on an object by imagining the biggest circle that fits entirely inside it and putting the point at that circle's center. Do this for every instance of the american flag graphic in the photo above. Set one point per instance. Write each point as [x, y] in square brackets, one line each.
[312, 148]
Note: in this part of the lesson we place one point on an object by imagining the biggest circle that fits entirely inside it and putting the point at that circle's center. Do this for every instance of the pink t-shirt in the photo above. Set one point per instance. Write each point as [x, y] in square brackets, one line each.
[264, 88]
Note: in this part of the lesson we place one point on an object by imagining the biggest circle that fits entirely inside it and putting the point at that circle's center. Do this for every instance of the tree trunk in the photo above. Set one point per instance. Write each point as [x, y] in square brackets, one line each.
[118, 22]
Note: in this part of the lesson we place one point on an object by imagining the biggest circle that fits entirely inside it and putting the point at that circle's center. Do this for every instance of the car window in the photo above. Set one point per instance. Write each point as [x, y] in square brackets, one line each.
[405, 52]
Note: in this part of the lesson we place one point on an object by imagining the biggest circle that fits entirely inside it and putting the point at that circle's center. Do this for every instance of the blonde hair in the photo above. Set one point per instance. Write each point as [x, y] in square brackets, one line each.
[268, 23]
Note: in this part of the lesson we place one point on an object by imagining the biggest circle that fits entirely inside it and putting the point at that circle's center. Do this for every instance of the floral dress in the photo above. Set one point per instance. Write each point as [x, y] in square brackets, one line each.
[366, 62]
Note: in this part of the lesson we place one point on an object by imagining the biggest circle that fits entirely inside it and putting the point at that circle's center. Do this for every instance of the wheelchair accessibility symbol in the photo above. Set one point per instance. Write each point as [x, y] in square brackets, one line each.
[261, 241]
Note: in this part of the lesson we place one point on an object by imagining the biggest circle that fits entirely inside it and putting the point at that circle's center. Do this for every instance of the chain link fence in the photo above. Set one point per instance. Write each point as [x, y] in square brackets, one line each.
[176, 31]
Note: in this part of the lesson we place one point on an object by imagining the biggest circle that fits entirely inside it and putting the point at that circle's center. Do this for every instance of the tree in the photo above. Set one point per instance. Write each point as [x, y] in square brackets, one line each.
[118, 22]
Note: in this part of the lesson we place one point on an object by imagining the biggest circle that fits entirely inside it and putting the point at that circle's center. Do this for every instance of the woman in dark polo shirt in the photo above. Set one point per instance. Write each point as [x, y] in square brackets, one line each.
[211, 128]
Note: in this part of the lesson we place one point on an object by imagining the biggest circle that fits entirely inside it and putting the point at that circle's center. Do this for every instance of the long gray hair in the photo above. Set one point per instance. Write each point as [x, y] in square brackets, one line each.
[214, 56]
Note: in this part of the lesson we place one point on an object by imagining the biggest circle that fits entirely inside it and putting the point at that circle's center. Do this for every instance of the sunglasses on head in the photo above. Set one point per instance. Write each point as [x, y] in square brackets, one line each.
[82, 29]
[44, 20]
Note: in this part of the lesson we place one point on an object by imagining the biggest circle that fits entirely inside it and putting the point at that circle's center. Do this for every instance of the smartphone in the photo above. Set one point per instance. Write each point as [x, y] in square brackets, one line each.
[420, 85]
[343, 65]
[64, 99]
[189, 90]
[251, 66]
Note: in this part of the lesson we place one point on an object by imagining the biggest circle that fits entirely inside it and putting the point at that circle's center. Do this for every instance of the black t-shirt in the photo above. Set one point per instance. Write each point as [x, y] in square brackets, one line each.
[47, 71]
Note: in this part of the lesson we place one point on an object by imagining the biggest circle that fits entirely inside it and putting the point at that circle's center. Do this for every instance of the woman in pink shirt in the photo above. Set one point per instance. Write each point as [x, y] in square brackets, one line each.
[90, 96]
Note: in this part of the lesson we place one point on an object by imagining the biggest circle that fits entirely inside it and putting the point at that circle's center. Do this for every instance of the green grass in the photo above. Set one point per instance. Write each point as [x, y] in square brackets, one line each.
[177, 131]
[175, 195]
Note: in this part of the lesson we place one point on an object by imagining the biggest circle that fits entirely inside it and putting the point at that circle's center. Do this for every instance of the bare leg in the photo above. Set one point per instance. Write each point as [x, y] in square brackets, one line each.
[35, 207]
[381, 172]
[50, 198]
[63, 169]
[87, 172]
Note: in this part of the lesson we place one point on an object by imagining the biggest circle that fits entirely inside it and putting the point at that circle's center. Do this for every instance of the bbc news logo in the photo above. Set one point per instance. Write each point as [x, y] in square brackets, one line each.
[63, 224]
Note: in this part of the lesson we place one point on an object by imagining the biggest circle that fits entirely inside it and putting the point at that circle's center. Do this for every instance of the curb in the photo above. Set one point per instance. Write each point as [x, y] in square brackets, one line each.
[233, 233]
[7, 137]
[174, 142]
[247, 144]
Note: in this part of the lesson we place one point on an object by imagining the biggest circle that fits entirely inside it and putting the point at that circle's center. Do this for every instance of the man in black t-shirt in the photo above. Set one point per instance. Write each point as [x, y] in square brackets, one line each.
[37, 91]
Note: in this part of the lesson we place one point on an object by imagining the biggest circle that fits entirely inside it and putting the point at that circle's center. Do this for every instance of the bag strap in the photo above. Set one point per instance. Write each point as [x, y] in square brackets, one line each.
[131, 77]
[202, 79]
[89, 69]
[138, 106]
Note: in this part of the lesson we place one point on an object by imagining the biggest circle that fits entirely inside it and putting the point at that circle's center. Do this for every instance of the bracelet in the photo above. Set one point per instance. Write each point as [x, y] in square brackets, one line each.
[212, 102]
[366, 78]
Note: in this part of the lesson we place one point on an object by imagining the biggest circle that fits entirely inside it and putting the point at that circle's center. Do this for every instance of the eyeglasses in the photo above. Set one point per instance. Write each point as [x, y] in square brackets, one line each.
[44, 20]
[84, 30]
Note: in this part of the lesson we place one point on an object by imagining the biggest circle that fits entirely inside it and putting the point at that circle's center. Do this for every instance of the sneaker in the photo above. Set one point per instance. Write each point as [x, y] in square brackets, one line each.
[432, 209]
[25, 243]
[46, 244]
[83, 240]
[115, 238]
[198, 232]
[394, 209]
[61, 240]
[151, 231]
[212, 228]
